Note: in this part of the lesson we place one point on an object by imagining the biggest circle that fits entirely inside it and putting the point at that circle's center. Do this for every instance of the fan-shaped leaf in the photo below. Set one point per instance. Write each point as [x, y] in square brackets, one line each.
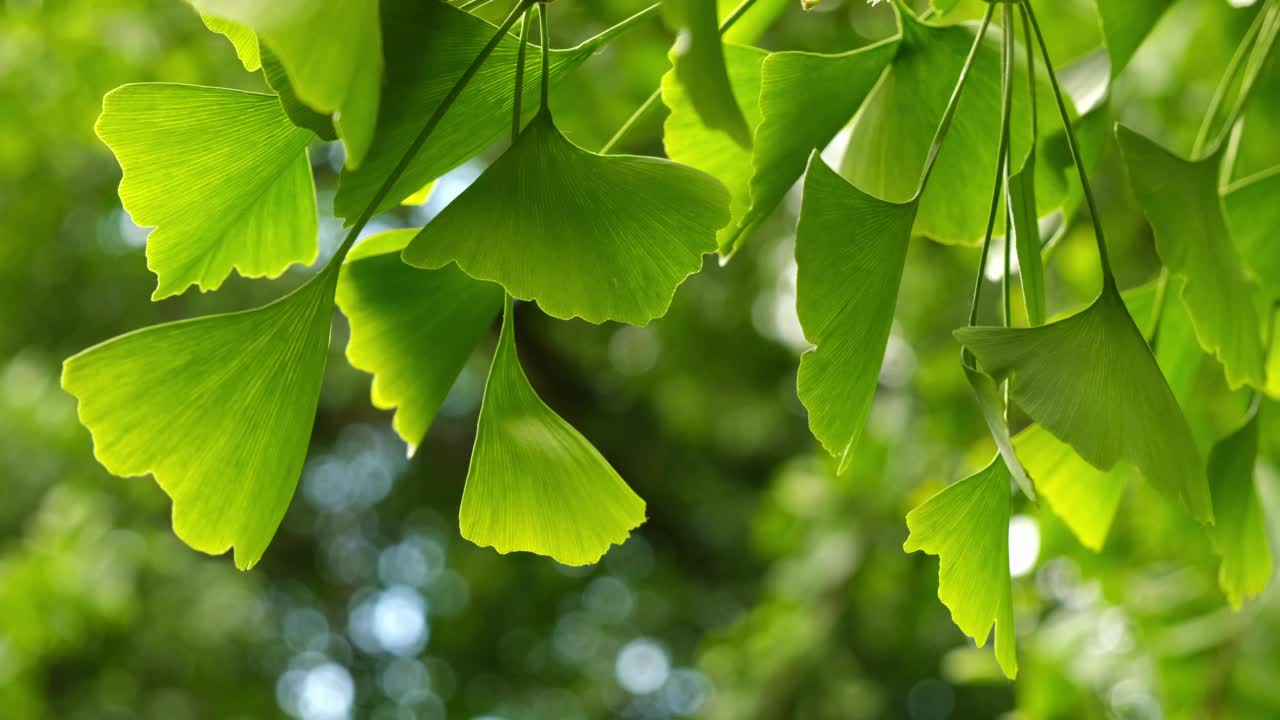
[299, 112]
[413, 330]
[586, 235]
[1091, 381]
[1085, 497]
[221, 174]
[428, 45]
[892, 133]
[1180, 199]
[1253, 215]
[332, 52]
[535, 484]
[850, 252]
[1240, 535]
[967, 527]
[991, 404]
[698, 62]
[218, 409]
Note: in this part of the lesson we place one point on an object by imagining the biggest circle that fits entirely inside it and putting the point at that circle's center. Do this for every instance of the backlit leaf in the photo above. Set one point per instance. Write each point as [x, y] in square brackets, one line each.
[1240, 535]
[221, 174]
[850, 253]
[299, 112]
[991, 404]
[428, 45]
[967, 527]
[699, 65]
[412, 329]
[892, 133]
[535, 484]
[1085, 497]
[1091, 381]
[591, 236]
[1181, 201]
[218, 409]
[332, 52]
[1026, 233]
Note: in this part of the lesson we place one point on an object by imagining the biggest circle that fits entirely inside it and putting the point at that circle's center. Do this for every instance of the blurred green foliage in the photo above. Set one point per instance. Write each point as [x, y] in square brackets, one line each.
[761, 585]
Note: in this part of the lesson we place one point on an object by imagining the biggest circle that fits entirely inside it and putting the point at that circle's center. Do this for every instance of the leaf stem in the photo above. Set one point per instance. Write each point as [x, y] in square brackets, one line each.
[656, 96]
[1002, 159]
[941, 133]
[428, 128]
[1108, 277]
[519, 91]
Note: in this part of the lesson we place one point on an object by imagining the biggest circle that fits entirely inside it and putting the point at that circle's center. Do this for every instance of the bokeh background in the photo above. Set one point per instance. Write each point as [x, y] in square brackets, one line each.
[762, 586]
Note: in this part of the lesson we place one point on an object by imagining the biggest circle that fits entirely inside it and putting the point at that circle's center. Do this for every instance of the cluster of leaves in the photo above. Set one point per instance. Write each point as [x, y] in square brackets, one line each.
[219, 408]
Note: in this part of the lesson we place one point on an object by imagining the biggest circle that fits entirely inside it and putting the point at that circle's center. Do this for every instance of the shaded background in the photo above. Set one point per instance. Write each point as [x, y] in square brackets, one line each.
[761, 585]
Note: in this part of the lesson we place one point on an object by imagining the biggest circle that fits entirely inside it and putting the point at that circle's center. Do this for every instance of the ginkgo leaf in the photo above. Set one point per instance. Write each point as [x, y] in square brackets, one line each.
[850, 252]
[1180, 199]
[299, 112]
[428, 45]
[413, 330]
[1125, 24]
[1253, 215]
[1240, 535]
[221, 174]
[243, 39]
[1085, 497]
[805, 99]
[698, 63]
[1091, 381]
[422, 196]
[967, 527]
[1026, 233]
[601, 237]
[535, 484]
[689, 141]
[332, 52]
[891, 135]
[219, 409]
[795, 102]
[991, 404]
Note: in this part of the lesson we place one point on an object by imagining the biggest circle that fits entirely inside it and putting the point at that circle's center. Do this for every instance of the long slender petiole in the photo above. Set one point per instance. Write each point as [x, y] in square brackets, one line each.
[1002, 156]
[525, 27]
[1108, 277]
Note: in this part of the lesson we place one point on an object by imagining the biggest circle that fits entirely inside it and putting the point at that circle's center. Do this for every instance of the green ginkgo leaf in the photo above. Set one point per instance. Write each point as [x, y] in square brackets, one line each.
[428, 45]
[850, 252]
[1253, 215]
[1125, 24]
[1091, 381]
[243, 39]
[1026, 233]
[805, 99]
[991, 403]
[219, 409]
[535, 484]
[698, 64]
[1181, 201]
[795, 102]
[688, 140]
[299, 112]
[967, 527]
[413, 330]
[892, 133]
[332, 52]
[221, 174]
[1085, 497]
[1240, 535]
[585, 235]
